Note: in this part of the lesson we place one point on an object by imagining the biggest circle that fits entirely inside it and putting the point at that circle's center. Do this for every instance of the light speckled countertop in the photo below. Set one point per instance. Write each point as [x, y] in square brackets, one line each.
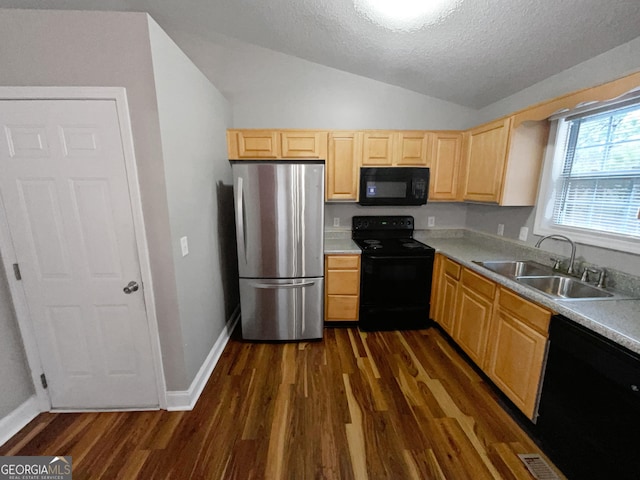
[618, 320]
[341, 246]
[338, 241]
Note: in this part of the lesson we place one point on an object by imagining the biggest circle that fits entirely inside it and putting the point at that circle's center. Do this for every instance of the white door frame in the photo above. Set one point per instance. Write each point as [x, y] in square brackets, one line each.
[25, 323]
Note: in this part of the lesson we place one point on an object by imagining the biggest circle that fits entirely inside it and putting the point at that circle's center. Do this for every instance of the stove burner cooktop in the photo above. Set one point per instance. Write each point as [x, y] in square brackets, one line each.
[393, 246]
[388, 235]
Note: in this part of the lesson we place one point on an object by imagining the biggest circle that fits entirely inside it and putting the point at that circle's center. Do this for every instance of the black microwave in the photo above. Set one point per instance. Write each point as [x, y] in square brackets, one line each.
[394, 186]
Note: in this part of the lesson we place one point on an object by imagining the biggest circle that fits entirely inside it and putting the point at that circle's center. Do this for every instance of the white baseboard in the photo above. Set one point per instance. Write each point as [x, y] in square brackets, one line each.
[186, 399]
[16, 420]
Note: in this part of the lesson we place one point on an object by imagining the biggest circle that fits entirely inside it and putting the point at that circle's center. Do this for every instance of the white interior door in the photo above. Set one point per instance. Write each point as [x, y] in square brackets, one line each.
[63, 185]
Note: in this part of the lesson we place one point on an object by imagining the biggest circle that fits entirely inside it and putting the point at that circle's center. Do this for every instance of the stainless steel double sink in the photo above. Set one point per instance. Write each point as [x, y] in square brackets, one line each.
[547, 281]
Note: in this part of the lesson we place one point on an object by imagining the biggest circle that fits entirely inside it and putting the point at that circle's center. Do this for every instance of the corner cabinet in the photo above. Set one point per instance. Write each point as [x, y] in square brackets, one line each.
[342, 288]
[504, 334]
[502, 163]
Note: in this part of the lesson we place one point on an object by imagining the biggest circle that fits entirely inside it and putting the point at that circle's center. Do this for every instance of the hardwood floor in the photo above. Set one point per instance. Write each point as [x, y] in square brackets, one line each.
[381, 405]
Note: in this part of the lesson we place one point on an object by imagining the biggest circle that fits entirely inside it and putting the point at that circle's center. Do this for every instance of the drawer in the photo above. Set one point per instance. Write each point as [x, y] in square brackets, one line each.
[342, 282]
[530, 313]
[343, 262]
[341, 307]
[479, 284]
[451, 268]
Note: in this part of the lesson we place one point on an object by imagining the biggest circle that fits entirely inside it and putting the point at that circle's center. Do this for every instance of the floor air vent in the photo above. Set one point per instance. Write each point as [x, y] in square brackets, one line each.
[537, 466]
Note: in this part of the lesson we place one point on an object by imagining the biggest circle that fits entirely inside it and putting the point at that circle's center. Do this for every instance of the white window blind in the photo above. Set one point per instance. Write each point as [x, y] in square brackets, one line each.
[599, 185]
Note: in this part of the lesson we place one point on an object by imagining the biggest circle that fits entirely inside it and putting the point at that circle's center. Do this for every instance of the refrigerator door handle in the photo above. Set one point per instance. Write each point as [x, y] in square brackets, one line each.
[283, 285]
[240, 220]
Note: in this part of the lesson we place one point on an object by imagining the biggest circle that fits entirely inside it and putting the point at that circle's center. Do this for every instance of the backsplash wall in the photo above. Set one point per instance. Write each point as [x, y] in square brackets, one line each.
[485, 218]
[447, 215]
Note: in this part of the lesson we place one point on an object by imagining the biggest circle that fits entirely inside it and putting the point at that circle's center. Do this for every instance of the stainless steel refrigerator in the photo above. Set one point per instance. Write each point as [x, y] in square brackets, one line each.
[279, 209]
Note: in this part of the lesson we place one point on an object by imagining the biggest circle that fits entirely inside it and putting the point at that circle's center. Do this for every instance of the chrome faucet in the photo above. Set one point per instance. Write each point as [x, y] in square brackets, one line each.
[570, 270]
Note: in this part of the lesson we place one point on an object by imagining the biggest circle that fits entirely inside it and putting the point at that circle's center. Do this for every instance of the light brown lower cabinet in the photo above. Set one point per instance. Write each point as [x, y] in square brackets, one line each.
[474, 308]
[342, 287]
[517, 349]
[503, 333]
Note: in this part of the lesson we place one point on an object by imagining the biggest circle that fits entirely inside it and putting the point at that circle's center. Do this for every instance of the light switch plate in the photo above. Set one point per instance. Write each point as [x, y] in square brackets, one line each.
[184, 245]
[336, 221]
[431, 221]
[501, 229]
[524, 233]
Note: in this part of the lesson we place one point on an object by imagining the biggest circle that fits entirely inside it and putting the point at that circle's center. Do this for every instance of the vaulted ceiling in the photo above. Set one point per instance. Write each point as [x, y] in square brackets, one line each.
[473, 53]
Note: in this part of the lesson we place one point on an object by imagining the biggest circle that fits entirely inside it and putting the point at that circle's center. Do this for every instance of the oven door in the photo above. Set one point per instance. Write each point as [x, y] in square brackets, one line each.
[395, 292]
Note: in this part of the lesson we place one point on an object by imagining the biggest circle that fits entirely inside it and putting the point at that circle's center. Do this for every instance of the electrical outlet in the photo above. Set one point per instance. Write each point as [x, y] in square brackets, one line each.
[336, 221]
[501, 229]
[184, 246]
[431, 221]
[524, 233]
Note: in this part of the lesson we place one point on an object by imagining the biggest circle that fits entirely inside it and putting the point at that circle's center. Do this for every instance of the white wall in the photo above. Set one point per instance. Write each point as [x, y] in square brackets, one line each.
[268, 89]
[67, 48]
[194, 117]
[14, 372]
[617, 62]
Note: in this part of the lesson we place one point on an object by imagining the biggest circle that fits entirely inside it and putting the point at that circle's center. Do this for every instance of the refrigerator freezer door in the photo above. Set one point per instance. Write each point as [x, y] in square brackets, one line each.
[279, 219]
[282, 309]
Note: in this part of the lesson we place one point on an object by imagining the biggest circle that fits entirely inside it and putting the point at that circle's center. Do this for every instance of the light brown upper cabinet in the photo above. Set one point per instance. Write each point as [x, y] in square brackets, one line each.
[253, 144]
[503, 163]
[412, 149]
[276, 144]
[445, 166]
[304, 144]
[384, 148]
[343, 163]
[378, 149]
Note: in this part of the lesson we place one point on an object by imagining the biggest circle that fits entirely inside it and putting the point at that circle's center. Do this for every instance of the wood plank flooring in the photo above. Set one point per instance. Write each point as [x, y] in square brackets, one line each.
[380, 405]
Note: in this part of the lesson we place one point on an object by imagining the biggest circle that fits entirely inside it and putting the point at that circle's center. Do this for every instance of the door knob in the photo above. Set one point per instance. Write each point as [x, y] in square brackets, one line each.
[131, 287]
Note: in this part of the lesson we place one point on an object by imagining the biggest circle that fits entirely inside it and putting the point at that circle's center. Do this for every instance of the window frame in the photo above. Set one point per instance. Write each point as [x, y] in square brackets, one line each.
[553, 163]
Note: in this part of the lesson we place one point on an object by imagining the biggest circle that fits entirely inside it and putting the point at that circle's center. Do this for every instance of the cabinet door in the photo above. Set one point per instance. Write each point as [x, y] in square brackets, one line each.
[343, 163]
[257, 144]
[445, 166]
[515, 359]
[300, 144]
[474, 308]
[485, 162]
[412, 149]
[447, 304]
[378, 149]
[436, 283]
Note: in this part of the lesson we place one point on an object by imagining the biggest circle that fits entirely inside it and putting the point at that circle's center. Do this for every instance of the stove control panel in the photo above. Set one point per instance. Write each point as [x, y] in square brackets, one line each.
[394, 222]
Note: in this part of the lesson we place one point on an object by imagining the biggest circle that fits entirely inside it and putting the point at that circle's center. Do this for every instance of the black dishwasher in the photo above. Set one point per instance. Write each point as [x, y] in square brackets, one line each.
[589, 414]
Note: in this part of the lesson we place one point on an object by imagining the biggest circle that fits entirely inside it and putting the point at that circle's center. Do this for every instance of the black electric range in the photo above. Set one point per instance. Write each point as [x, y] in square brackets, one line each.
[396, 270]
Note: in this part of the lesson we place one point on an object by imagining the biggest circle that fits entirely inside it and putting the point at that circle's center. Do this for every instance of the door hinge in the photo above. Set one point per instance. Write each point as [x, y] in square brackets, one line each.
[43, 379]
[16, 271]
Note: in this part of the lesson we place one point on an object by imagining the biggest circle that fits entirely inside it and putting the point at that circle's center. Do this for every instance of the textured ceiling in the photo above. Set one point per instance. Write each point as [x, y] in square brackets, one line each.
[479, 52]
